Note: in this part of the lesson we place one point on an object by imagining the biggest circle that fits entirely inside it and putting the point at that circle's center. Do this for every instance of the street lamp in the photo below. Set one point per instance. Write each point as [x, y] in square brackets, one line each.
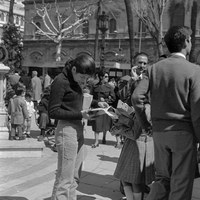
[103, 27]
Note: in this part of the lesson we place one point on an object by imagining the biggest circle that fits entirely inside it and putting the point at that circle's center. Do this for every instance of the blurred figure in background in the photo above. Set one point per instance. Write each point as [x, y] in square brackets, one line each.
[102, 92]
[31, 110]
[26, 80]
[18, 112]
[36, 87]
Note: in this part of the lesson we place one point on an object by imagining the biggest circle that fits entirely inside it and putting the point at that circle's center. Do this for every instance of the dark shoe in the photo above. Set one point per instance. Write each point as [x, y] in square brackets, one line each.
[11, 138]
[28, 135]
[146, 189]
[22, 138]
[103, 141]
[95, 145]
[54, 148]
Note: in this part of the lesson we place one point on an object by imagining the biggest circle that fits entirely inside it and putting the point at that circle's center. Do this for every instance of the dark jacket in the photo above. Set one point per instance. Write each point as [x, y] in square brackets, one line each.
[26, 80]
[105, 91]
[174, 86]
[43, 104]
[66, 98]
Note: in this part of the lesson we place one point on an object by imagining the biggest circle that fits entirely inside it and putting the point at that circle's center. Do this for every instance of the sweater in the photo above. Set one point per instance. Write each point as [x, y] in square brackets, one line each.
[66, 98]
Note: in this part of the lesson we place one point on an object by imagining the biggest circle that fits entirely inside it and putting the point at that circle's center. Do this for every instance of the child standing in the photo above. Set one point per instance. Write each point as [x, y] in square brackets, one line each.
[43, 113]
[17, 109]
[31, 110]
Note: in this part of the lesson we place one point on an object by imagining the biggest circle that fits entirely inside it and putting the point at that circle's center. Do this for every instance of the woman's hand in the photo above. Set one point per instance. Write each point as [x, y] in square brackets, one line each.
[85, 114]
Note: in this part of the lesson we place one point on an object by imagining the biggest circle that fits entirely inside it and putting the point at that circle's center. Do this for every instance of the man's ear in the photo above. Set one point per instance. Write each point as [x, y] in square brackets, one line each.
[73, 70]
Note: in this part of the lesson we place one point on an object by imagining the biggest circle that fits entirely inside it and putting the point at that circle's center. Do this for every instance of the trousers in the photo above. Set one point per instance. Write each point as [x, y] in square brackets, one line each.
[70, 147]
[175, 162]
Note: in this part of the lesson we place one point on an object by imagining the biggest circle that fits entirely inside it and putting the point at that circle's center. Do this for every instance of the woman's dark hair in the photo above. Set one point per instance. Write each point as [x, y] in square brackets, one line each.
[101, 74]
[84, 64]
[175, 38]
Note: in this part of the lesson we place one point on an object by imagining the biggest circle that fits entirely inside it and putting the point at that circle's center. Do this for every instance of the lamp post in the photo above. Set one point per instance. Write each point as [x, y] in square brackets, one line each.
[103, 27]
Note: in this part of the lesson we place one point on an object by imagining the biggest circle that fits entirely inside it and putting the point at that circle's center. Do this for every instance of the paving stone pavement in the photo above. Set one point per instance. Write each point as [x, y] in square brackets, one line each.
[33, 178]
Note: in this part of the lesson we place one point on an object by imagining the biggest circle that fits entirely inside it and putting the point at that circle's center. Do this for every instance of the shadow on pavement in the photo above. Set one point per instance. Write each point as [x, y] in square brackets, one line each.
[108, 158]
[89, 142]
[97, 186]
[35, 134]
[12, 198]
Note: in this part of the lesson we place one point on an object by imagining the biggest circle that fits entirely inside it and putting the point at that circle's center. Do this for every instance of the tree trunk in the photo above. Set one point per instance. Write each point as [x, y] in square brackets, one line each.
[11, 18]
[129, 12]
[160, 46]
[58, 51]
[160, 36]
[193, 27]
[96, 45]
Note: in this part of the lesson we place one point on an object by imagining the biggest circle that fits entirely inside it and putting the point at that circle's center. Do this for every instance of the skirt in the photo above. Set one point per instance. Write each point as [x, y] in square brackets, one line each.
[101, 123]
[43, 121]
[129, 167]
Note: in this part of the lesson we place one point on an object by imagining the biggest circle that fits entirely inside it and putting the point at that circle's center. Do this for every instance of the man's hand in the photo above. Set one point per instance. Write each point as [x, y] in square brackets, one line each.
[103, 104]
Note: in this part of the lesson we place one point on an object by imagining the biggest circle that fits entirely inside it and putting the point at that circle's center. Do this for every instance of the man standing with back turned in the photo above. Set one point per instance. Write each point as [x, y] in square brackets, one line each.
[174, 87]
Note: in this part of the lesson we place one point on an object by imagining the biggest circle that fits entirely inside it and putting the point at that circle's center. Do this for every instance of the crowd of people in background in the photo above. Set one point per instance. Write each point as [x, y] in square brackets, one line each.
[24, 97]
[165, 97]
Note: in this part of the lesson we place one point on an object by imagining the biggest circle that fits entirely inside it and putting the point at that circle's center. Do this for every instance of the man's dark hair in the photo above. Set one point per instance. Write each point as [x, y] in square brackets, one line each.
[175, 38]
[84, 64]
[20, 90]
[28, 95]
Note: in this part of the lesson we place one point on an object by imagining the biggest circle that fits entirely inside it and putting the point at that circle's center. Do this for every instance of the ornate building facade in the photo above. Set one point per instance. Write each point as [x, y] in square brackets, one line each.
[40, 52]
[18, 12]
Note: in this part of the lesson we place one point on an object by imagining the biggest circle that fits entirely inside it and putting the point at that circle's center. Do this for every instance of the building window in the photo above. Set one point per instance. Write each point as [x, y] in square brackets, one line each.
[85, 29]
[17, 20]
[112, 25]
[22, 21]
[2, 16]
[38, 26]
[178, 15]
[7, 17]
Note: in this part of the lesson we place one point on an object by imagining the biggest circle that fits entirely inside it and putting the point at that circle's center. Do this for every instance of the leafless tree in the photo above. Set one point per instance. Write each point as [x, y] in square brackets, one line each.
[150, 12]
[67, 21]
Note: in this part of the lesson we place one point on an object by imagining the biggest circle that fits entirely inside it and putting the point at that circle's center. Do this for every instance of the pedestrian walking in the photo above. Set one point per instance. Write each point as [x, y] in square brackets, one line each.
[102, 92]
[174, 87]
[65, 105]
[36, 87]
[47, 80]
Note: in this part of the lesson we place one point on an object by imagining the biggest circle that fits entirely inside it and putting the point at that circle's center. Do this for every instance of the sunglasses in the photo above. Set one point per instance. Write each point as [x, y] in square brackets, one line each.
[142, 63]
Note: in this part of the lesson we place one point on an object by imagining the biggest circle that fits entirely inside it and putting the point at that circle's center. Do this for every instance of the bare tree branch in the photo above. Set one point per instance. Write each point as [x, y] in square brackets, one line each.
[63, 27]
[50, 21]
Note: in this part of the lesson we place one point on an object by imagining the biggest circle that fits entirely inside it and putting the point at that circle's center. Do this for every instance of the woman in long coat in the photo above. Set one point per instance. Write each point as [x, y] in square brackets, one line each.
[102, 92]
